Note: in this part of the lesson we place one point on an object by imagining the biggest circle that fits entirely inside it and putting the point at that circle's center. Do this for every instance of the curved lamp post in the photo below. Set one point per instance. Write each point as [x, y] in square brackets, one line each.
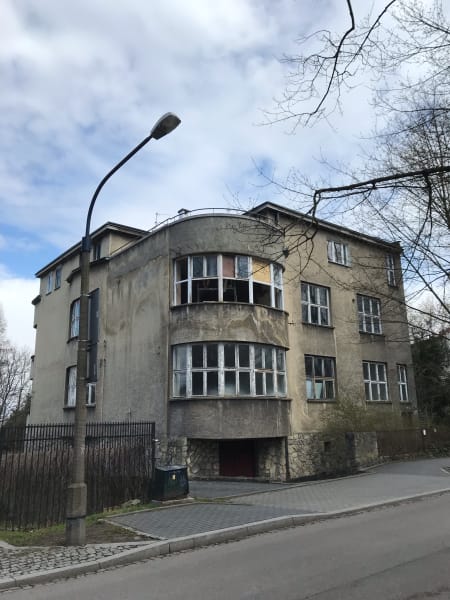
[77, 490]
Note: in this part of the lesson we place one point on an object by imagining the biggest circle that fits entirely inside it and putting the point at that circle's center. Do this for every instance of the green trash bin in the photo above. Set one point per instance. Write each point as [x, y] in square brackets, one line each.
[170, 483]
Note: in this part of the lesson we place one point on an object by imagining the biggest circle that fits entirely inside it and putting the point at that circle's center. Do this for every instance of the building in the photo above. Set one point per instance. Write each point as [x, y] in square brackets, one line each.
[234, 332]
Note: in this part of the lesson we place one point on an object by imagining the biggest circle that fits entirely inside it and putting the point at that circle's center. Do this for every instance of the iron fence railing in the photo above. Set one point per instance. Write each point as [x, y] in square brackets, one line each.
[35, 469]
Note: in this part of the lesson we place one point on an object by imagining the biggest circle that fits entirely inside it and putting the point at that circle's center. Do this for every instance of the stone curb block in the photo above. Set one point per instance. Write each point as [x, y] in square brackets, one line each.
[7, 582]
[195, 541]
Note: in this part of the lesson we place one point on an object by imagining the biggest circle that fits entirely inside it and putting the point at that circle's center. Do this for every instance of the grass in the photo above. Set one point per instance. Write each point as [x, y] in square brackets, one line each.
[97, 531]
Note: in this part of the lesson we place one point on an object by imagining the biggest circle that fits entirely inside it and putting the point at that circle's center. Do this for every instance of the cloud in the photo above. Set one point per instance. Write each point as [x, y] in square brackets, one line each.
[83, 83]
[15, 299]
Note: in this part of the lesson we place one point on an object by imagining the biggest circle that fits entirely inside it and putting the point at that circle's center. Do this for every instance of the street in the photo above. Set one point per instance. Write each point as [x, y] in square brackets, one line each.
[400, 553]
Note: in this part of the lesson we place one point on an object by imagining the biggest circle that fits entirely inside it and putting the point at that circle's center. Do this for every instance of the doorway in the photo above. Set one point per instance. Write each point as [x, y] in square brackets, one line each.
[237, 458]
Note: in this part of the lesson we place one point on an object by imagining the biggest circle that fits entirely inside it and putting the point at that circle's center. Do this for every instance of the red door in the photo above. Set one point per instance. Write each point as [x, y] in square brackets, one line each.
[237, 458]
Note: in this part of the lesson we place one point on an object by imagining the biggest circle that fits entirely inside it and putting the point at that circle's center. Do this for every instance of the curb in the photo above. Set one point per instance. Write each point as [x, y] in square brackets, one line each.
[199, 540]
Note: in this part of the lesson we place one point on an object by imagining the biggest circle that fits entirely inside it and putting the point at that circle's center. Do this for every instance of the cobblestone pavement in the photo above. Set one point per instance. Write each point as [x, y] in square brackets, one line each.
[25, 561]
[191, 519]
[247, 502]
[224, 489]
[351, 493]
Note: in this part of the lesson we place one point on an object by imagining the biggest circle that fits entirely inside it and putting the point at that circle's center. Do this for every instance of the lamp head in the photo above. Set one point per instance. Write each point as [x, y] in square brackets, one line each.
[164, 125]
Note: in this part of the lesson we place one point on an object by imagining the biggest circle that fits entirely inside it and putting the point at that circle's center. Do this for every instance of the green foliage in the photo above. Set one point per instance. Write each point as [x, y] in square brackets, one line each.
[431, 357]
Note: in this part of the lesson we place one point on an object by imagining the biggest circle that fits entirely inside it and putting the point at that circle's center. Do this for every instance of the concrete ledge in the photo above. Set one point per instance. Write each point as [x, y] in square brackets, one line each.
[269, 525]
[181, 544]
[52, 574]
[7, 583]
[220, 535]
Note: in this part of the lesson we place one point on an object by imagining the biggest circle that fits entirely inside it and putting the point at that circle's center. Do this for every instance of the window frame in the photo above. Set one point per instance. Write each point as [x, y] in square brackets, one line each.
[70, 396]
[369, 317]
[257, 279]
[402, 382]
[334, 247]
[321, 378]
[390, 270]
[371, 383]
[237, 362]
[58, 274]
[49, 283]
[74, 319]
[310, 305]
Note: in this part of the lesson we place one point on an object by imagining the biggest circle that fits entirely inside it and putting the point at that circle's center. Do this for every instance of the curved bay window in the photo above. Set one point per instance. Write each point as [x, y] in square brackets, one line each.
[228, 278]
[228, 369]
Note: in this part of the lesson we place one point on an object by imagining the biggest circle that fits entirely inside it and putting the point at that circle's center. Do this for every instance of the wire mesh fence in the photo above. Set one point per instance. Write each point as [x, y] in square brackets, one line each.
[36, 461]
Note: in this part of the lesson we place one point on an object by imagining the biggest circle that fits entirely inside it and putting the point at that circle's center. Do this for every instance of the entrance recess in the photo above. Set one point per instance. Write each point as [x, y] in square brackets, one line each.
[237, 458]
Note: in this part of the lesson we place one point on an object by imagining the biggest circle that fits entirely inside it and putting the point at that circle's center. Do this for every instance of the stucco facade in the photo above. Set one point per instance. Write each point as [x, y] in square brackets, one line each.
[233, 332]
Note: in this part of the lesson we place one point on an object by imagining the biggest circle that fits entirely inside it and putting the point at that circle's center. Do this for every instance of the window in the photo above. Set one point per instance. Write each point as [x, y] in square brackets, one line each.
[369, 314]
[49, 283]
[97, 251]
[338, 253]
[228, 278]
[315, 304]
[58, 272]
[375, 381]
[402, 378]
[90, 394]
[74, 318]
[320, 377]
[71, 389]
[228, 369]
[71, 386]
[390, 269]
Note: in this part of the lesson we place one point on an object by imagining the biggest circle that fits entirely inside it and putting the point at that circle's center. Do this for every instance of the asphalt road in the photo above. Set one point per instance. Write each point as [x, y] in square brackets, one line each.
[397, 553]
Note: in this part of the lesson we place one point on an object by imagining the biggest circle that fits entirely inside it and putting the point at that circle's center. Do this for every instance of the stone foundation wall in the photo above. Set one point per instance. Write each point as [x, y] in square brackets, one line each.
[366, 448]
[203, 458]
[317, 454]
[171, 451]
[271, 459]
[310, 454]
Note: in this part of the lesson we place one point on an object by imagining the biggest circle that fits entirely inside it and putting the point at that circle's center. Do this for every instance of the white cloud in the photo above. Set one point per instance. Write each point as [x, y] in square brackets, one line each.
[15, 299]
[83, 82]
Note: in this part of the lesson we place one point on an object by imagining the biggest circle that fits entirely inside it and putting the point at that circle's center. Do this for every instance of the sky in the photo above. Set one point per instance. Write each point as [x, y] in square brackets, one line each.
[83, 82]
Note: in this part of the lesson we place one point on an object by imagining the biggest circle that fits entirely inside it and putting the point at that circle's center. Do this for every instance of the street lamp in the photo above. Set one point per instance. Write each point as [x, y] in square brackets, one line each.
[77, 490]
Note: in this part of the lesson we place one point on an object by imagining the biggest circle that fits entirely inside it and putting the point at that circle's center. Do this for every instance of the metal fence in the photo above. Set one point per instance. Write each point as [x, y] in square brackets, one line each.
[433, 440]
[36, 461]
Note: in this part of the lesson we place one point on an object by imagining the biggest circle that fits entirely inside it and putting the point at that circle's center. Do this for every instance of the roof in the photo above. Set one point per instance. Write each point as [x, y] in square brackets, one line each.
[326, 225]
[133, 232]
[138, 234]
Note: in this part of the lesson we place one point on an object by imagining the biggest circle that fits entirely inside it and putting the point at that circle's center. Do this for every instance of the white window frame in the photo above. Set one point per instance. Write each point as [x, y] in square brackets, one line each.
[50, 283]
[369, 314]
[375, 381]
[58, 273]
[310, 307]
[402, 380]
[390, 270]
[242, 273]
[74, 325]
[71, 387]
[90, 394]
[318, 379]
[252, 378]
[338, 253]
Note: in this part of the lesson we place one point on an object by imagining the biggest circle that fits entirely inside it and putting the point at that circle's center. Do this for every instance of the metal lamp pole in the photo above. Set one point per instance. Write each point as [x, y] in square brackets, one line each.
[77, 490]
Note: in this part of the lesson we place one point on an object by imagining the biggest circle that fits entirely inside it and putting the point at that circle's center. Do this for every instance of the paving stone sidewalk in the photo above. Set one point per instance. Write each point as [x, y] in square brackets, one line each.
[25, 561]
[246, 502]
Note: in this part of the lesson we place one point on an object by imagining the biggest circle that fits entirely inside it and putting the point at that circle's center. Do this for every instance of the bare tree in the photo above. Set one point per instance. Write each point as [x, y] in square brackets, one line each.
[375, 48]
[14, 376]
[403, 194]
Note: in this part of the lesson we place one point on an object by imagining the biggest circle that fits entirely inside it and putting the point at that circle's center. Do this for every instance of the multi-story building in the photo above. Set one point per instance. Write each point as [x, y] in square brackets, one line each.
[235, 333]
